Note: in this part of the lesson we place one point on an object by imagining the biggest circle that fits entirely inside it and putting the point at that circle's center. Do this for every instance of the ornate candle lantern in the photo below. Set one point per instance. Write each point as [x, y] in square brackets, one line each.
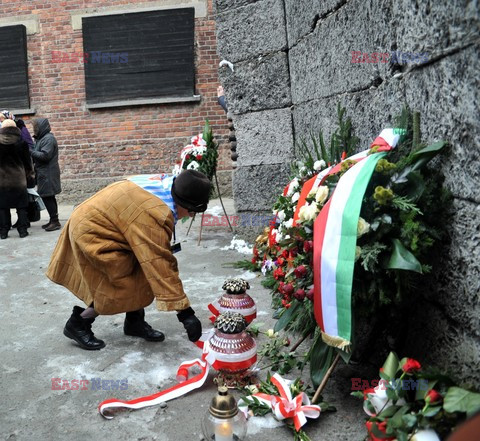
[223, 422]
[235, 299]
[233, 348]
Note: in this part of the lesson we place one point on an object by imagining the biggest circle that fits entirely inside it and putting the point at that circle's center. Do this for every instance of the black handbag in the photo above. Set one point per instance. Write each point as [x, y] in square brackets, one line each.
[33, 209]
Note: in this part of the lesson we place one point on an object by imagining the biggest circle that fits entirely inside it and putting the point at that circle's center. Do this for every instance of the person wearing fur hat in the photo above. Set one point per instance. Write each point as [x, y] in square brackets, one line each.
[16, 173]
[47, 169]
[115, 254]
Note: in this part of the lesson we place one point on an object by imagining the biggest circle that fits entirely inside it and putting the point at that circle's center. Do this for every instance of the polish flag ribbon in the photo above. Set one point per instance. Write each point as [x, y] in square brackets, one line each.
[185, 385]
[216, 309]
[285, 406]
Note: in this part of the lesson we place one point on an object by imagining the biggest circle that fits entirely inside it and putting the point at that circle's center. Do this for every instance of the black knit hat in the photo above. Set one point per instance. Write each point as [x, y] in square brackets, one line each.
[191, 190]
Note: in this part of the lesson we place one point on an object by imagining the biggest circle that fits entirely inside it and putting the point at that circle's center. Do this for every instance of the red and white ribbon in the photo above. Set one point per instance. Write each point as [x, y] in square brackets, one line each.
[218, 361]
[216, 309]
[284, 406]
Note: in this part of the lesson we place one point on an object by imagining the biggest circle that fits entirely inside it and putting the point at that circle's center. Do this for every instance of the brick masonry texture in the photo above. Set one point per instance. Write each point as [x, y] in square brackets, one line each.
[102, 145]
[308, 43]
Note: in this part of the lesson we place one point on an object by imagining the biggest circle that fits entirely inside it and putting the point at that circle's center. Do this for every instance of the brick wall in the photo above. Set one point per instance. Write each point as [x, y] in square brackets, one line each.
[99, 146]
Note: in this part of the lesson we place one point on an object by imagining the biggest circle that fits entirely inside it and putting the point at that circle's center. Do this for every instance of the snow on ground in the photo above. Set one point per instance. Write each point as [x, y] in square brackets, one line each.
[239, 245]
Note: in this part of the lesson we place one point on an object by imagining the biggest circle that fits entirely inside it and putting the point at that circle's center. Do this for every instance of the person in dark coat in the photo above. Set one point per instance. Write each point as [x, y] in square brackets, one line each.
[45, 157]
[25, 133]
[16, 172]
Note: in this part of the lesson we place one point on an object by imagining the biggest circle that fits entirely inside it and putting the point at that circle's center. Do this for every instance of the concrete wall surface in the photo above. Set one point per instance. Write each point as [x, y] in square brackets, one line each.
[294, 61]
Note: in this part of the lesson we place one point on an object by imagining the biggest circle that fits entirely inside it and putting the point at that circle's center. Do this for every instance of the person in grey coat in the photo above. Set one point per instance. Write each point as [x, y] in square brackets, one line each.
[45, 158]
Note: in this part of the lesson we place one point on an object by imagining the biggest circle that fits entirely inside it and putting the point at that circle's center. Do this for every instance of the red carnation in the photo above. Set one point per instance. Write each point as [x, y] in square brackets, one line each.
[288, 289]
[255, 251]
[187, 157]
[280, 287]
[310, 294]
[254, 259]
[382, 427]
[278, 274]
[280, 261]
[307, 246]
[300, 271]
[369, 390]
[294, 252]
[411, 366]
[285, 304]
[198, 157]
[433, 397]
[299, 294]
[285, 254]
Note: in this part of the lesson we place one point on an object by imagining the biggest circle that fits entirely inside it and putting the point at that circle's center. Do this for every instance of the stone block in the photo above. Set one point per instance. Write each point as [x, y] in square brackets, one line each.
[255, 188]
[303, 15]
[258, 84]
[250, 31]
[434, 27]
[439, 342]
[455, 283]
[321, 63]
[224, 5]
[264, 137]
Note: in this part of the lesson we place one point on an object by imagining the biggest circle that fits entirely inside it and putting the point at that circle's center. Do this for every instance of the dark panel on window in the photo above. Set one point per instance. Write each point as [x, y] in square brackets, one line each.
[139, 55]
[14, 68]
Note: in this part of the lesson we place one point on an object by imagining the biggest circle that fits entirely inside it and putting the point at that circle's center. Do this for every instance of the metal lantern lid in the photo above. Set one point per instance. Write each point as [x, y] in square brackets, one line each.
[230, 323]
[235, 286]
[223, 404]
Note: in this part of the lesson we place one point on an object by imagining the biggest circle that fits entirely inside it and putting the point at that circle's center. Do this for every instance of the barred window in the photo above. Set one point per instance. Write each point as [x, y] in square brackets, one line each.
[14, 93]
[139, 56]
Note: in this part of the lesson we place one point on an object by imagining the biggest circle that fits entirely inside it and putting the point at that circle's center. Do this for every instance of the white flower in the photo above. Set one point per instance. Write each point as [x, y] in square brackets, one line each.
[193, 165]
[270, 333]
[288, 224]
[308, 212]
[358, 250]
[303, 171]
[379, 399]
[267, 266]
[281, 215]
[198, 140]
[253, 389]
[319, 165]
[292, 187]
[295, 197]
[322, 194]
[363, 227]
[425, 435]
[176, 170]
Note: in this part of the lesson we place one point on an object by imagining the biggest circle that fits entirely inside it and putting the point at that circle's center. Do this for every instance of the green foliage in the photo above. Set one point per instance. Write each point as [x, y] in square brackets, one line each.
[406, 211]
[434, 404]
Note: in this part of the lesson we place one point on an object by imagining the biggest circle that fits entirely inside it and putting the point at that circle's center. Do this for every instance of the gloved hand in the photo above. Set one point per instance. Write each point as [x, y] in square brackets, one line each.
[191, 324]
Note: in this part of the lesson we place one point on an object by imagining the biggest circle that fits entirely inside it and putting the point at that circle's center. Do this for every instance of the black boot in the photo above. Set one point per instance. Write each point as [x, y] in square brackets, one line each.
[53, 225]
[79, 329]
[136, 326]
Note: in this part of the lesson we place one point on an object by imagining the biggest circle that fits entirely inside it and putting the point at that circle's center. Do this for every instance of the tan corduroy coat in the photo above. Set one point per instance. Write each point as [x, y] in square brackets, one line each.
[114, 251]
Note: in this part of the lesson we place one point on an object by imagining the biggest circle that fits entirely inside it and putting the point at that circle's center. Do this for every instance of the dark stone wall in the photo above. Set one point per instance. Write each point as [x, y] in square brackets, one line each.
[292, 66]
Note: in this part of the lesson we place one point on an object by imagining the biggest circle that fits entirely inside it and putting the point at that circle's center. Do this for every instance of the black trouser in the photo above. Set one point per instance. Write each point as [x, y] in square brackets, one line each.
[6, 220]
[52, 207]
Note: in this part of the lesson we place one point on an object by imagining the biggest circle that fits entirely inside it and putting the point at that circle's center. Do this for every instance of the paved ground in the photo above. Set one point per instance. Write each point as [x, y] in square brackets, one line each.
[33, 350]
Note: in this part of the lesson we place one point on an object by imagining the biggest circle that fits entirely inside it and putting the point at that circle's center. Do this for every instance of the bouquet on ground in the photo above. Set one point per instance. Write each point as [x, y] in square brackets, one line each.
[411, 403]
